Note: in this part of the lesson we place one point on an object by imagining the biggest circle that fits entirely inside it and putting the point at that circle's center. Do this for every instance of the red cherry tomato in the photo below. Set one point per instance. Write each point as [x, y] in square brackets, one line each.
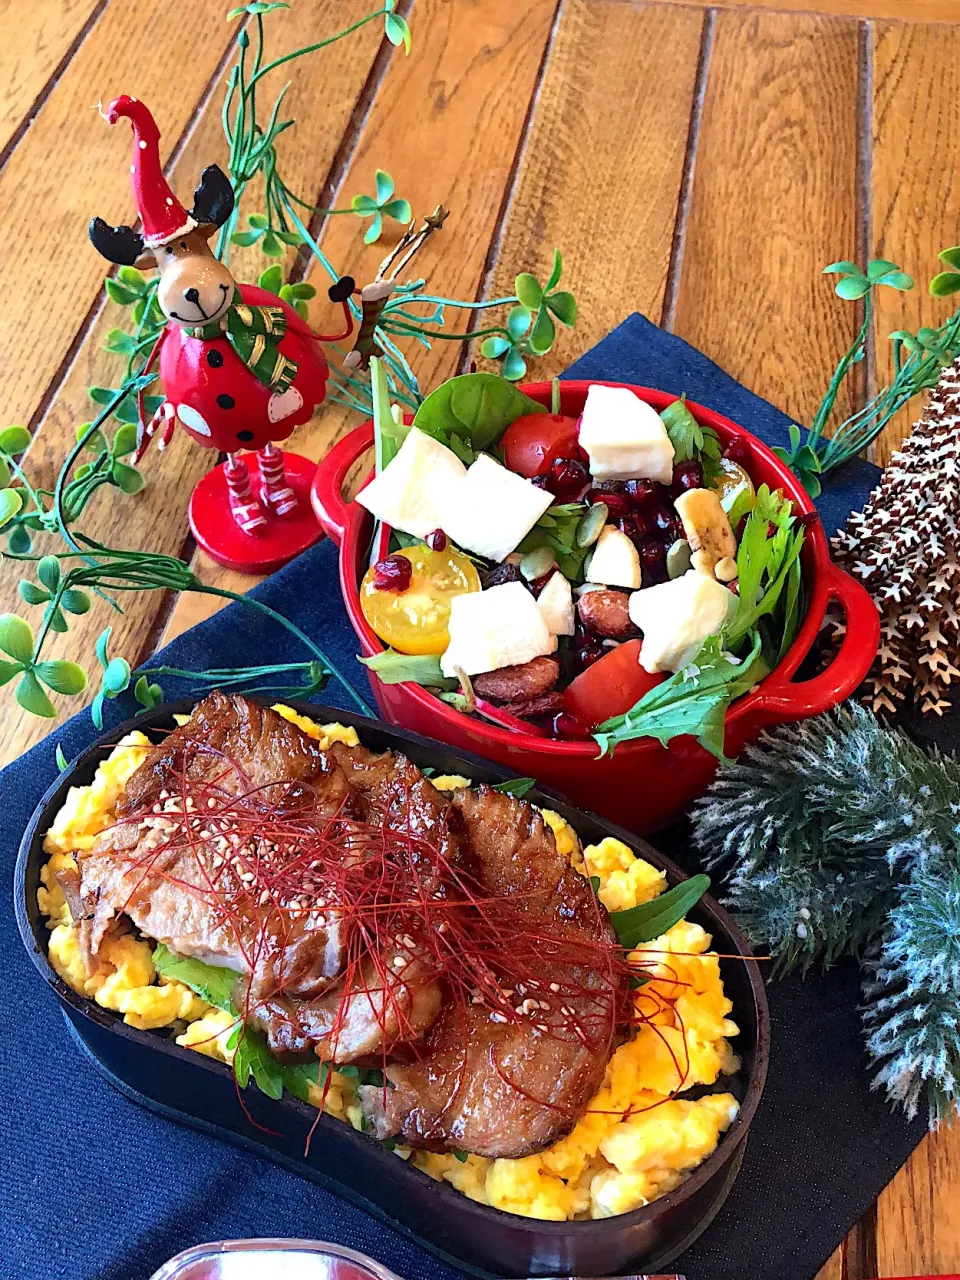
[531, 443]
[611, 686]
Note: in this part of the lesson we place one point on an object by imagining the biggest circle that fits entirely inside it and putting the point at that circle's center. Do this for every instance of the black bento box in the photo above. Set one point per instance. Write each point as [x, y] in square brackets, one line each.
[188, 1087]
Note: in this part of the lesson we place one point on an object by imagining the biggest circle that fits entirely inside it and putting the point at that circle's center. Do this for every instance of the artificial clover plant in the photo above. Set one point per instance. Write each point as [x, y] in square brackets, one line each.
[918, 359]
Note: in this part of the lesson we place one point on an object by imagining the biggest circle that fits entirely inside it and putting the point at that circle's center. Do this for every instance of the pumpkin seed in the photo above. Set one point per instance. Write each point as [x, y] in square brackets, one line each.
[678, 558]
[591, 526]
[536, 563]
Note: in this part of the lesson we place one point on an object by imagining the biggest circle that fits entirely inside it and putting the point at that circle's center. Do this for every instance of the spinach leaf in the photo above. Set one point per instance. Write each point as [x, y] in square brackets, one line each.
[475, 409]
[693, 701]
[395, 668]
[690, 440]
[652, 919]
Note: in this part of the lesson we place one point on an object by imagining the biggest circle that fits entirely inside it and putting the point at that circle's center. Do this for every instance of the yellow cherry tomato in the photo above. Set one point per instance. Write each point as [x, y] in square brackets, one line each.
[735, 488]
[416, 620]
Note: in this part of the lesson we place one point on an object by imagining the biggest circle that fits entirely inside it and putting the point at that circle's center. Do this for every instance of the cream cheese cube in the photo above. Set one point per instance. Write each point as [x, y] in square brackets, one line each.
[408, 491]
[555, 602]
[500, 627]
[676, 617]
[492, 510]
[615, 561]
[624, 437]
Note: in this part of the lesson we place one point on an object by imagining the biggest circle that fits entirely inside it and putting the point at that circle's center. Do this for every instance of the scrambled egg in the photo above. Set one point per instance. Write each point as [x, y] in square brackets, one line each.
[638, 1138]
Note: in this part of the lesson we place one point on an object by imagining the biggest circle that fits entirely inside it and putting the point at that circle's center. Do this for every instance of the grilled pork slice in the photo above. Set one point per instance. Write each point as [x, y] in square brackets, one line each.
[156, 866]
[254, 787]
[510, 1085]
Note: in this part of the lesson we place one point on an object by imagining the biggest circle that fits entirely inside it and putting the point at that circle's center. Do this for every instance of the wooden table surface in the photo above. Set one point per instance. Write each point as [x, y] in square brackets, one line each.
[698, 164]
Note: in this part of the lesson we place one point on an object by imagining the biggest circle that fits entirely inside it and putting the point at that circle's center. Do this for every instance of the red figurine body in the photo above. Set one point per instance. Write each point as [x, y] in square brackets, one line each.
[239, 367]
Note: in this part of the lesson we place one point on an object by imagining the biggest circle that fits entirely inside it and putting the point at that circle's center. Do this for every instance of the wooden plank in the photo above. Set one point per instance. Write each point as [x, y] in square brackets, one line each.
[324, 92]
[918, 1227]
[72, 165]
[773, 199]
[602, 166]
[446, 122]
[44, 35]
[898, 10]
[916, 187]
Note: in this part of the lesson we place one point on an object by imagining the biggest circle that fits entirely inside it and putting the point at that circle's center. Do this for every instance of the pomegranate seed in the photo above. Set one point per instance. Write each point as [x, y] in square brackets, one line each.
[738, 451]
[663, 519]
[687, 475]
[436, 541]
[536, 585]
[628, 525]
[589, 652]
[653, 555]
[392, 574]
[618, 504]
[645, 526]
[543, 482]
[643, 492]
[569, 477]
[564, 725]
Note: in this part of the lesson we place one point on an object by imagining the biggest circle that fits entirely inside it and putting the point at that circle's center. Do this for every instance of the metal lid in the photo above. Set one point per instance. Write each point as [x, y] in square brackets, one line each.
[272, 1260]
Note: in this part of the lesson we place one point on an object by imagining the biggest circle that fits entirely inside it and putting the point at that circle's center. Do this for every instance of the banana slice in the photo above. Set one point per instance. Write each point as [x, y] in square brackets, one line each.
[707, 528]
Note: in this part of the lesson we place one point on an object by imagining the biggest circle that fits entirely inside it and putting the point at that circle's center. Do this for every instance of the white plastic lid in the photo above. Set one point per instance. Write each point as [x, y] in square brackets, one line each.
[272, 1260]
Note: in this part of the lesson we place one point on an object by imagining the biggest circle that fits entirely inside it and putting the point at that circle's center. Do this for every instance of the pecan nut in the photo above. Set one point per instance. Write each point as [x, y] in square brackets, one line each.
[518, 684]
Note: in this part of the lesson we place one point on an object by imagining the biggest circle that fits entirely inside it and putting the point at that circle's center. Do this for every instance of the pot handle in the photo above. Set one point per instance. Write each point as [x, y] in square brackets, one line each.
[327, 492]
[783, 700]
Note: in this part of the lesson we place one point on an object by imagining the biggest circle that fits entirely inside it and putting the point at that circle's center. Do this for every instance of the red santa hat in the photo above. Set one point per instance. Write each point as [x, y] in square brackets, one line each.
[162, 216]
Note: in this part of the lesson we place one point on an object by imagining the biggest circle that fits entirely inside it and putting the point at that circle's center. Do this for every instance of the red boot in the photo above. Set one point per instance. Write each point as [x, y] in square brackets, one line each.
[243, 505]
[275, 491]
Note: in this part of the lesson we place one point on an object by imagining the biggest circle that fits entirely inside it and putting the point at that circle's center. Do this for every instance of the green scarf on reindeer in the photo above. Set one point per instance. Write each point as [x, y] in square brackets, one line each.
[254, 333]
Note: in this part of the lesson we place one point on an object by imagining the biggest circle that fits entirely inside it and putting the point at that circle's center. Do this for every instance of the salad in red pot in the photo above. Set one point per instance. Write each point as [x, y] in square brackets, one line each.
[617, 575]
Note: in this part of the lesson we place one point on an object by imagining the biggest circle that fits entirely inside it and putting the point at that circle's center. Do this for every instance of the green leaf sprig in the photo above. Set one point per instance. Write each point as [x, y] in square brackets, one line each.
[692, 701]
[690, 440]
[651, 920]
[918, 360]
[60, 676]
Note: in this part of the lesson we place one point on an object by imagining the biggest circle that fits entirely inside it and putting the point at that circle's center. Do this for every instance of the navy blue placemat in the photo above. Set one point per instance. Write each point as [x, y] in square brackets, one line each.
[98, 1189]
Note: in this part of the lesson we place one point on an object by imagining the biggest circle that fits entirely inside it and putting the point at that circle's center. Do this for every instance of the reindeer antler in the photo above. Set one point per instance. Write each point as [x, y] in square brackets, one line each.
[374, 296]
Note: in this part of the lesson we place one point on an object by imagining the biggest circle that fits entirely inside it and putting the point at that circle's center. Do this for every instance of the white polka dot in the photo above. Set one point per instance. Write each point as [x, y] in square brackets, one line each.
[169, 200]
[192, 419]
[143, 145]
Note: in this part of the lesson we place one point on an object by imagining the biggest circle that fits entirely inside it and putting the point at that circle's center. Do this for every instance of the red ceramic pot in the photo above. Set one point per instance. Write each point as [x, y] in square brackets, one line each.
[643, 786]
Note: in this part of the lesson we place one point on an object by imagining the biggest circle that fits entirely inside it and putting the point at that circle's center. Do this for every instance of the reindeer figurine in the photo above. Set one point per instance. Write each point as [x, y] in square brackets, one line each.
[238, 366]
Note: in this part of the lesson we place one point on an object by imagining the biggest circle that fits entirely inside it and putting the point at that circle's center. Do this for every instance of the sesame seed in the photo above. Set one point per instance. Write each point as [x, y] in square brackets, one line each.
[541, 1026]
[265, 897]
[217, 860]
[399, 962]
[529, 1006]
[554, 986]
[211, 803]
[497, 1017]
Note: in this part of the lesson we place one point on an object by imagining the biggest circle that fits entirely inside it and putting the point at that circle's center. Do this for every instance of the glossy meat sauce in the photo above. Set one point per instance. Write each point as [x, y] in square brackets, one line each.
[371, 918]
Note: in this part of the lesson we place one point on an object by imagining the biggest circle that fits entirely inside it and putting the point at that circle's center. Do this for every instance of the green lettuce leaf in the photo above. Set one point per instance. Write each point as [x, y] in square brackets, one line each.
[212, 983]
[395, 668]
[252, 1059]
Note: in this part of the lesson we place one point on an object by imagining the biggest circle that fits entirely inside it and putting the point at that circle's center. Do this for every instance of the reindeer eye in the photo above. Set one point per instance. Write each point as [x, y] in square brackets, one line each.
[183, 244]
